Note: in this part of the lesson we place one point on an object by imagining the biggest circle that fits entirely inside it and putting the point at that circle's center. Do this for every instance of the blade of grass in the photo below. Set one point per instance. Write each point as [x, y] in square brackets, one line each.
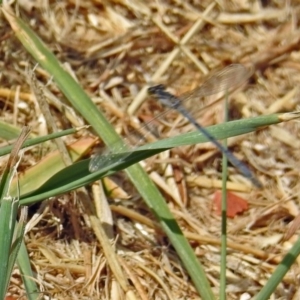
[8, 214]
[89, 111]
[18, 238]
[38, 140]
[78, 174]
[223, 264]
[277, 276]
[23, 261]
[8, 131]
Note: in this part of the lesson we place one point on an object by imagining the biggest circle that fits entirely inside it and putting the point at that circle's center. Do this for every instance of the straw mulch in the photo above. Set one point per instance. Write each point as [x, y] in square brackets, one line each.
[114, 48]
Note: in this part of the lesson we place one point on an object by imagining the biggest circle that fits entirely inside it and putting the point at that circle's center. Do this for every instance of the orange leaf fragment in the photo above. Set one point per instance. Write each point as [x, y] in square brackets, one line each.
[235, 204]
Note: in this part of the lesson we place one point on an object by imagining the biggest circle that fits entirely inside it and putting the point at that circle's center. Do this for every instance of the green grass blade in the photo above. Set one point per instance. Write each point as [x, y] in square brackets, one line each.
[23, 261]
[78, 174]
[8, 214]
[156, 202]
[38, 140]
[18, 237]
[68, 86]
[223, 264]
[279, 273]
[8, 131]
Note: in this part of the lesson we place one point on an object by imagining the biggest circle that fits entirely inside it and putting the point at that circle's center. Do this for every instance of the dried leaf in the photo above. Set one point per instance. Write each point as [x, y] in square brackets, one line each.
[235, 204]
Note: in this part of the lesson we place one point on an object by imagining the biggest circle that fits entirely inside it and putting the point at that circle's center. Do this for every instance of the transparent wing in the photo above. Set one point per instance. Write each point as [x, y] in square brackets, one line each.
[228, 78]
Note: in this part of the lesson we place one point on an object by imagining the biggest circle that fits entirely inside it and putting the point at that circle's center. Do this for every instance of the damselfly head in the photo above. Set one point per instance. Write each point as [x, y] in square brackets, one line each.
[156, 89]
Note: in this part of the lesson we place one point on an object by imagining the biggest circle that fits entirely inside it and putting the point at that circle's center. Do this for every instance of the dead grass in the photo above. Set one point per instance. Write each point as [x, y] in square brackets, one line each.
[113, 48]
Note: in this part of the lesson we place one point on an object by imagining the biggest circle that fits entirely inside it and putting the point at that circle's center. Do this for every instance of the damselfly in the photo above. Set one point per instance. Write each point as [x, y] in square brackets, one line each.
[229, 77]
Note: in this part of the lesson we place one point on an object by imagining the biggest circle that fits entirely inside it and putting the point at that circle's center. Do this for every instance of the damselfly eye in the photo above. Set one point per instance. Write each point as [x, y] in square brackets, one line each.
[156, 89]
